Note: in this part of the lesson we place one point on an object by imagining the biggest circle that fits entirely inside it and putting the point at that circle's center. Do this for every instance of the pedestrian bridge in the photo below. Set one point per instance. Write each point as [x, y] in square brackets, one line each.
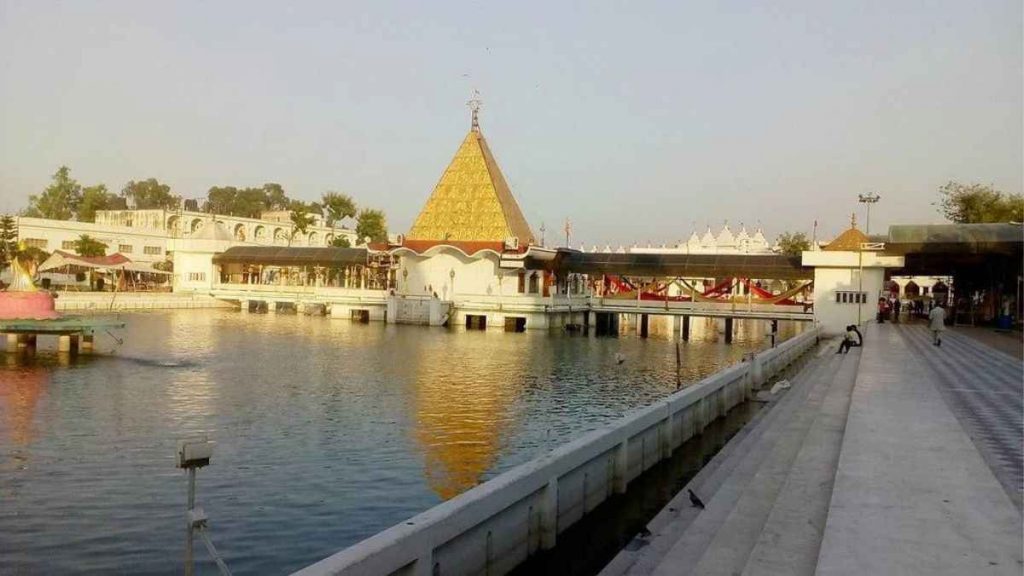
[513, 312]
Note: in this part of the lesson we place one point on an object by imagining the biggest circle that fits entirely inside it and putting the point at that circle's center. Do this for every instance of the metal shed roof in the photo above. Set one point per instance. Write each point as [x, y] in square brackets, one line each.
[688, 265]
[277, 256]
[955, 238]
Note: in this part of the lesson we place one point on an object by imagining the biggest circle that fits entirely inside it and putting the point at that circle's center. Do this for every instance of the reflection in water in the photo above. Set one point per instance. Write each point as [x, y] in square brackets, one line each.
[462, 410]
[20, 390]
[326, 431]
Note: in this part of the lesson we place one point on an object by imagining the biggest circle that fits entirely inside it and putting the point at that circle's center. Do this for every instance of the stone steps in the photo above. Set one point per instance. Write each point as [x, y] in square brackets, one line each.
[791, 537]
[723, 547]
[681, 534]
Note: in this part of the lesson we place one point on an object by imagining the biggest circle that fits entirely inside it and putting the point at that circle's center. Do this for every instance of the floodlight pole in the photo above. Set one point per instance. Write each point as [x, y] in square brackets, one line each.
[869, 199]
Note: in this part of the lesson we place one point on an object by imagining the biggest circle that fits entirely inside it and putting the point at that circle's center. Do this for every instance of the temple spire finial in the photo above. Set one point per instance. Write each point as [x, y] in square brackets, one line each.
[474, 105]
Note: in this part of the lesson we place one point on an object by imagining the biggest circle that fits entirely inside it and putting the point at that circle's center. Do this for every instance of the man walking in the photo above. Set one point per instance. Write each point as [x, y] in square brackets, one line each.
[937, 323]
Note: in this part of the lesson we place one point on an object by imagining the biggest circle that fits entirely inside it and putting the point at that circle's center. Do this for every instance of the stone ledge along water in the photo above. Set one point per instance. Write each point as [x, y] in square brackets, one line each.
[327, 431]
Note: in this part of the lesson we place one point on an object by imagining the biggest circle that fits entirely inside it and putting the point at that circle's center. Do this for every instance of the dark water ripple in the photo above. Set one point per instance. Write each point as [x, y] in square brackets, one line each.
[326, 431]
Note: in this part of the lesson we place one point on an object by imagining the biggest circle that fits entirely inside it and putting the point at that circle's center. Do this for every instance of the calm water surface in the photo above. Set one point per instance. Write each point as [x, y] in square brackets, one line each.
[327, 431]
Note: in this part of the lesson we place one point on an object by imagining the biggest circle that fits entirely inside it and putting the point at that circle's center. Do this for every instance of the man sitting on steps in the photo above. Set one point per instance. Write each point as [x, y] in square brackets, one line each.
[850, 339]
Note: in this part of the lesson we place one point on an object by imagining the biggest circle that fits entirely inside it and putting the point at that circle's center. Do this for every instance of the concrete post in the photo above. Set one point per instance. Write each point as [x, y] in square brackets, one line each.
[549, 515]
[271, 307]
[87, 343]
[64, 343]
[621, 473]
[244, 305]
[12, 342]
[645, 320]
[728, 330]
[756, 371]
[424, 565]
[392, 309]
[665, 433]
[686, 328]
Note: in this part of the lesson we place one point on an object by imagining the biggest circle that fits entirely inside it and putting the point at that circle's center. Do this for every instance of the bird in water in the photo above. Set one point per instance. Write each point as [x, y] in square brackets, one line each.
[619, 358]
[694, 500]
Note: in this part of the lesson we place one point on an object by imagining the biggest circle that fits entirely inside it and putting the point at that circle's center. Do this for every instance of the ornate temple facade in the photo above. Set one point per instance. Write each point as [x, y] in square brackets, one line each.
[725, 241]
[470, 244]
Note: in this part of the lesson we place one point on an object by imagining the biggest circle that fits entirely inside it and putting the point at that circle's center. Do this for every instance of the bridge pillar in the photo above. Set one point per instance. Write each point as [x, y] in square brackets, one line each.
[12, 342]
[26, 342]
[728, 330]
[686, 328]
[645, 321]
[87, 343]
[271, 307]
[244, 305]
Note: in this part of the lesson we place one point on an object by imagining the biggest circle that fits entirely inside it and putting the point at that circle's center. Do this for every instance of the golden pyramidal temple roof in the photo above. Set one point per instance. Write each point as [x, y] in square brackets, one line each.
[472, 201]
[849, 241]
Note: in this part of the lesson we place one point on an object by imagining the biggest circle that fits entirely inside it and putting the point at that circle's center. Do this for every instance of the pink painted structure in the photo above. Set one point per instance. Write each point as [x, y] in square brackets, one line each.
[27, 306]
[22, 300]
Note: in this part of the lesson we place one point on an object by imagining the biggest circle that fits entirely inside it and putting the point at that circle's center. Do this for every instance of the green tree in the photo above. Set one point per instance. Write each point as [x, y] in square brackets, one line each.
[338, 206]
[341, 242]
[60, 199]
[150, 194]
[220, 199]
[88, 246]
[371, 224]
[8, 239]
[301, 219]
[32, 254]
[977, 203]
[249, 203]
[276, 199]
[246, 202]
[793, 243]
[94, 198]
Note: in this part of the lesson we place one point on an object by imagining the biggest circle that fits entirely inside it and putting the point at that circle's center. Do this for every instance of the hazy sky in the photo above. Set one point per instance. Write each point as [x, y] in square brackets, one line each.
[635, 119]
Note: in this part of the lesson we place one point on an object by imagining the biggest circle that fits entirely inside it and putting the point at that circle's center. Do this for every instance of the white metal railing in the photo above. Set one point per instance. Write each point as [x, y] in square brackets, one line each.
[497, 525]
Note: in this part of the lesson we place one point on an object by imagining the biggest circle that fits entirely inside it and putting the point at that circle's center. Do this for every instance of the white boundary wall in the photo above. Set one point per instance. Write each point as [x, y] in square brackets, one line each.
[495, 526]
[107, 301]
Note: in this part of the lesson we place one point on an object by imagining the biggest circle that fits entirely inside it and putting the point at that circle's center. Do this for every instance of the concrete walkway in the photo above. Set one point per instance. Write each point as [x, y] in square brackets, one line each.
[912, 494]
[883, 461]
[985, 390]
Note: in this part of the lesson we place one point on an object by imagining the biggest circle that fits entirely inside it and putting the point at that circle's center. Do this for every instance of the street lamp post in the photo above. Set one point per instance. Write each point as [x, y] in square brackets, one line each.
[869, 199]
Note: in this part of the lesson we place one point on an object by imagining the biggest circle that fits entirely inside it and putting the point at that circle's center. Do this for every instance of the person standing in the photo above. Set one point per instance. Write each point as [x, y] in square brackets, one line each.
[896, 306]
[937, 323]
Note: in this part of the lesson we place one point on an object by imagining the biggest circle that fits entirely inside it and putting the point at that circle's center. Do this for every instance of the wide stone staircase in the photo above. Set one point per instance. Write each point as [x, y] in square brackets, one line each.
[767, 493]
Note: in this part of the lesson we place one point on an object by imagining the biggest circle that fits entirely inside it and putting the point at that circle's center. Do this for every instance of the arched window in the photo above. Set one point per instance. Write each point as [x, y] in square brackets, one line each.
[240, 232]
